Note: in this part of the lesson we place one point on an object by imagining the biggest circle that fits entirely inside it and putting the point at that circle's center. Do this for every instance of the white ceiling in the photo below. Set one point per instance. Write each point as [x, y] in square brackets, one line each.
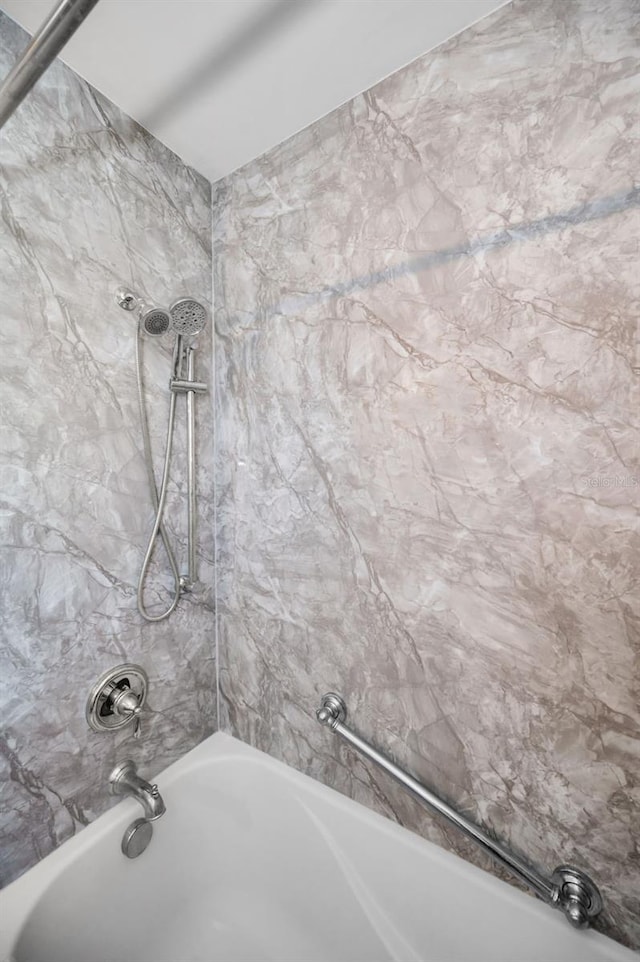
[222, 81]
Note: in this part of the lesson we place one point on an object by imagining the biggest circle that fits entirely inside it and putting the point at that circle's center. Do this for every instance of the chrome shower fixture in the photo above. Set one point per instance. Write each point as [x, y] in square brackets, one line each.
[188, 316]
[155, 320]
[126, 299]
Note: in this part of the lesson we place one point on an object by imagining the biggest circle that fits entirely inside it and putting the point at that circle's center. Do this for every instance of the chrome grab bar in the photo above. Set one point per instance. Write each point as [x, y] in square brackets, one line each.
[568, 889]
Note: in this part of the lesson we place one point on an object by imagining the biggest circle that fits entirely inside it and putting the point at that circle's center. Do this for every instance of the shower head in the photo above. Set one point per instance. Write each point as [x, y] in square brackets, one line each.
[154, 320]
[188, 316]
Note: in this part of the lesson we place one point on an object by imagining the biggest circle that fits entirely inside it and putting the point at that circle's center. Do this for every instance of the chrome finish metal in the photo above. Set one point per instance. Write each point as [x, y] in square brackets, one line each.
[192, 573]
[188, 316]
[190, 387]
[45, 46]
[126, 299]
[154, 320]
[180, 386]
[158, 497]
[137, 837]
[578, 896]
[117, 699]
[568, 889]
[125, 781]
[332, 711]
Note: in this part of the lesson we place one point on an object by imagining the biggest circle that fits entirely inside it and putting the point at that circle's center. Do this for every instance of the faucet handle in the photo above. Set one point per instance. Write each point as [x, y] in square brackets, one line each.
[137, 722]
[128, 704]
[124, 701]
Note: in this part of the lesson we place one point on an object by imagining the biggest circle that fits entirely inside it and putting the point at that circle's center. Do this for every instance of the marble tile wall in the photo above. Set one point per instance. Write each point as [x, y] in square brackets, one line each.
[427, 438]
[89, 200]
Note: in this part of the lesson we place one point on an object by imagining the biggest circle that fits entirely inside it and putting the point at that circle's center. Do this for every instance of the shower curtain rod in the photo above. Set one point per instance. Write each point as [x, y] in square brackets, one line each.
[45, 46]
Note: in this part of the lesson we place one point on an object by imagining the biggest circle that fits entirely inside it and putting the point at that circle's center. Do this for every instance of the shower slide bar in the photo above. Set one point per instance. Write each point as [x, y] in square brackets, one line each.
[46, 44]
[568, 888]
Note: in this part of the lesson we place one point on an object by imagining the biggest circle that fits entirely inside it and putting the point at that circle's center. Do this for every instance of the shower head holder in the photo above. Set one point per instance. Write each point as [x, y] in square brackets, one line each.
[126, 299]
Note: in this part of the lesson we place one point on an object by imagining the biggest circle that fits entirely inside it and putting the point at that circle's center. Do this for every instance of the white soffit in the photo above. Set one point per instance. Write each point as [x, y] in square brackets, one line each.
[222, 81]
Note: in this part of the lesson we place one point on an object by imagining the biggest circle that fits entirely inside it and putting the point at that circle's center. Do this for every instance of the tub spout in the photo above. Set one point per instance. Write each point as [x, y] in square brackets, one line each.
[124, 780]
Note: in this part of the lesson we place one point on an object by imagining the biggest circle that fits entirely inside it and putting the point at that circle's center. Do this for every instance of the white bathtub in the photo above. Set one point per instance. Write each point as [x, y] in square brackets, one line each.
[254, 861]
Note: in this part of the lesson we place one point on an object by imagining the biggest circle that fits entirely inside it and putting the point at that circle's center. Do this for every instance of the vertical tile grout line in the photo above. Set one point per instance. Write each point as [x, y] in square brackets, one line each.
[214, 394]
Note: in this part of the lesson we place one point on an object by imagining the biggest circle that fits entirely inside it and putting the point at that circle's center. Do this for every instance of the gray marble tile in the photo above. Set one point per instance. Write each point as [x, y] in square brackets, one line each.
[89, 200]
[426, 468]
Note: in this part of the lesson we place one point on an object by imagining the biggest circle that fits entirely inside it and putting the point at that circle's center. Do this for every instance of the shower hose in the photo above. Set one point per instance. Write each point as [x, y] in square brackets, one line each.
[158, 497]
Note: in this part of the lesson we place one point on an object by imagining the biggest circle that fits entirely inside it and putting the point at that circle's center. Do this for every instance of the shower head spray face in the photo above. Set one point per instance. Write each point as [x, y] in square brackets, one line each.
[154, 320]
[188, 316]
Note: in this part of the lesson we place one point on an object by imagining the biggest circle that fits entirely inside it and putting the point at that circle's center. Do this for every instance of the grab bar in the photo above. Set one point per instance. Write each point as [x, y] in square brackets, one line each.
[568, 889]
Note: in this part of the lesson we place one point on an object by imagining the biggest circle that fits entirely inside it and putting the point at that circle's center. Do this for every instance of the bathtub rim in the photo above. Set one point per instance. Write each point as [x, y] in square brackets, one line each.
[21, 897]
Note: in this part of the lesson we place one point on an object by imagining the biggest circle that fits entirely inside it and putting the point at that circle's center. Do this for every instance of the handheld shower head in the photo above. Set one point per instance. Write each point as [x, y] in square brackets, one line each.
[154, 320]
[188, 316]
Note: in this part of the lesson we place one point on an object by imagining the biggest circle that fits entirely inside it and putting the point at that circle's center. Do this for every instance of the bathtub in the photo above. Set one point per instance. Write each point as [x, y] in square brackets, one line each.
[254, 861]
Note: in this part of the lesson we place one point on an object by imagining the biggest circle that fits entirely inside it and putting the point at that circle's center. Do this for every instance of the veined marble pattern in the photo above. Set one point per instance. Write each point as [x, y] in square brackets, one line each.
[89, 200]
[426, 306]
